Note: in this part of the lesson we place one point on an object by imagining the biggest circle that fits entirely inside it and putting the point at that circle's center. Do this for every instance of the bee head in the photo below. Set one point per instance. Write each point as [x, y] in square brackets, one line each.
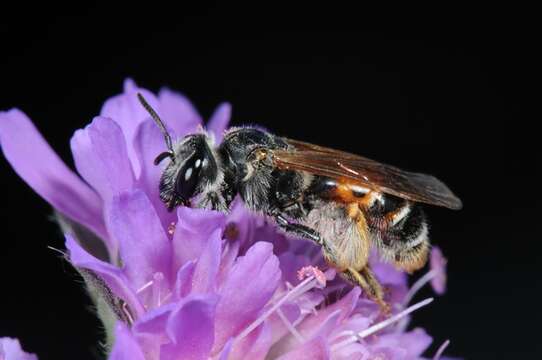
[192, 169]
[192, 166]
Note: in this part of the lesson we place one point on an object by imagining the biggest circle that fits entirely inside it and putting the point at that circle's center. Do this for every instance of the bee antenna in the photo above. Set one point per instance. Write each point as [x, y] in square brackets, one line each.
[170, 153]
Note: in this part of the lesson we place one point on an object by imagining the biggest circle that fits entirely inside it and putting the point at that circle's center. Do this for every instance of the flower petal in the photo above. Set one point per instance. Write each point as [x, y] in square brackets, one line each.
[291, 313]
[354, 351]
[144, 247]
[322, 323]
[290, 265]
[244, 224]
[355, 323]
[386, 273]
[154, 321]
[126, 346]
[226, 350]
[178, 112]
[438, 265]
[10, 349]
[192, 231]
[205, 274]
[126, 110]
[148, 143]
[245, 291]
[229, 254]
[219, 121]
[316, 349]
[113, 277]
[45, 172]
[325, 327]
[345, 306]
[101, 157]
[412, 344]
[191, 329]
[183, 282]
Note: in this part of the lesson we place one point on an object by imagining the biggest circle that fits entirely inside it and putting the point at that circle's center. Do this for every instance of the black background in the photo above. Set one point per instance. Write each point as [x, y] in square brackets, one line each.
[447, 98]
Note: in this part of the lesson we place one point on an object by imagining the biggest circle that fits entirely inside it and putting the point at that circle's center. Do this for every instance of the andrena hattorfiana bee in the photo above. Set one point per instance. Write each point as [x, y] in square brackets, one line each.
[344, 202]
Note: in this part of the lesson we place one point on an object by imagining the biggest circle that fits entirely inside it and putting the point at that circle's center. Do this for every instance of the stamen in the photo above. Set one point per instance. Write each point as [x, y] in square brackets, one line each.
[290, 327]
[298, 321]
[381, 325]
[314, 271]
[301, 288]
[144, 287]
[156, 288]
[289, 286]
[344, 333]
[418, 285]
[166, 298]
[441, 349]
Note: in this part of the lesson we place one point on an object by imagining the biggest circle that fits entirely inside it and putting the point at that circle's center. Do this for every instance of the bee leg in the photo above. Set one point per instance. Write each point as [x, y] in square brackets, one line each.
[298, 229]
[370, 285]
[307, 233]
[214, 201]
[364, 278]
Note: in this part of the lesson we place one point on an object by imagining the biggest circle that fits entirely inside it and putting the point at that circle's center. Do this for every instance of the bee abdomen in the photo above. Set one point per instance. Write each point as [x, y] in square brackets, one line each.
[400, 232]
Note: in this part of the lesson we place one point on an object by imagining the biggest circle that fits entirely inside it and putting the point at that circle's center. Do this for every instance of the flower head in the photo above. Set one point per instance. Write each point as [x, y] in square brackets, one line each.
[194, 283]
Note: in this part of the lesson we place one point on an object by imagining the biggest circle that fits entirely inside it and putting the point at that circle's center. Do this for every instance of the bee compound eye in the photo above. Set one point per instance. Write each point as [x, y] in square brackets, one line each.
[188, 178]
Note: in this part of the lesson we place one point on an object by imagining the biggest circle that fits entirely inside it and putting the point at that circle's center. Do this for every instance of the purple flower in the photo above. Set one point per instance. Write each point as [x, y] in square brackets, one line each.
[438, 263]
[10, 349]
[195, 284]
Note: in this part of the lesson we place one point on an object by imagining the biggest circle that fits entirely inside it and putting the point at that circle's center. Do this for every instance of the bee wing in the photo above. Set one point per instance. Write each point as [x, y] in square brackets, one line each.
[376, 176]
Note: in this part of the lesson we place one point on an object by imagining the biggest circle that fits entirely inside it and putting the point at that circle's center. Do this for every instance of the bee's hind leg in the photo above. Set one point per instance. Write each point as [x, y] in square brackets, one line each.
[307, 233]
[364, 278]
[367, 281]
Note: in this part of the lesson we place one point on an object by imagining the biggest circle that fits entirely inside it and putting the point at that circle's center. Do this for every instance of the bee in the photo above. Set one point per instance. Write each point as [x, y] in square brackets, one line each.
[346, 203]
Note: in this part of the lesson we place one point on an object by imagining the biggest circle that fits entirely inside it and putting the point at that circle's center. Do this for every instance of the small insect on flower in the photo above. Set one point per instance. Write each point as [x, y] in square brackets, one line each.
[344, 202]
